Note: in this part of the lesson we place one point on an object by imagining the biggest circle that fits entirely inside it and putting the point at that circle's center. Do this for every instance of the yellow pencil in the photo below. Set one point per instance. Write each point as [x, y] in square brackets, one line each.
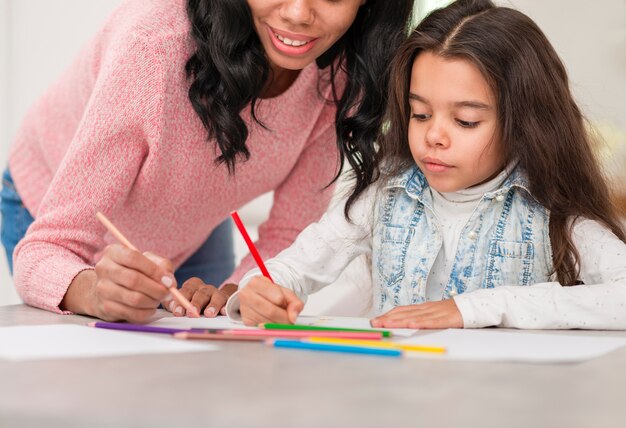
[379, 344]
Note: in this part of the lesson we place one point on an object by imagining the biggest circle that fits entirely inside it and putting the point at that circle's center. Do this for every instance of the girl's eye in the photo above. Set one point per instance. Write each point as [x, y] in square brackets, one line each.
[466, 124]
[420, 117]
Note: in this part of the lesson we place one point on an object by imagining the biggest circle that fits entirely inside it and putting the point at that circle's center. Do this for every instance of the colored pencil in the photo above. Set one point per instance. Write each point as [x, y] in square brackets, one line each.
[189, 335]
[118, 235]
[275, 326]
[136, 327]
[379, 344]
[276, 334]
[370, 336]
[251, 246]
[297, 344]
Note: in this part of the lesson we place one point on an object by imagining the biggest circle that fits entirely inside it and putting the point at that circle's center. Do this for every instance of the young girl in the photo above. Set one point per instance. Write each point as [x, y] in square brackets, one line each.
[176, 113]
[489, 209]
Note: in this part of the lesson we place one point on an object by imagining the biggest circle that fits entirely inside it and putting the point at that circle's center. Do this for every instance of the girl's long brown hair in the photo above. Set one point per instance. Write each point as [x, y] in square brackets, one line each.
[540, 124]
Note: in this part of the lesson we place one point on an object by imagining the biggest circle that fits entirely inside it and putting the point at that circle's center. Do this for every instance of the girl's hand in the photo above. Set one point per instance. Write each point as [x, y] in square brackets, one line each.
[125, 285]
[206, 298]
[263, 301]
[443, 314]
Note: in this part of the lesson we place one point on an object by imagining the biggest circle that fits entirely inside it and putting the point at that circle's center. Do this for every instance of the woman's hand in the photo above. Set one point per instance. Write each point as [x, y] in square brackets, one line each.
[263, 301]
[125, 285]
[204, 297]
[443, 314]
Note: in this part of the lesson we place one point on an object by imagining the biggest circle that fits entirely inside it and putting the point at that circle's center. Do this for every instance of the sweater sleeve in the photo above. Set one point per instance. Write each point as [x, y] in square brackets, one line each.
[599, 304]
[320, 253]
[97, 172]
[302, 197]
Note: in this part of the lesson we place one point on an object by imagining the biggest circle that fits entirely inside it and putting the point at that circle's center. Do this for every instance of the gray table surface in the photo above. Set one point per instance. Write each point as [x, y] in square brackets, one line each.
[251, 385]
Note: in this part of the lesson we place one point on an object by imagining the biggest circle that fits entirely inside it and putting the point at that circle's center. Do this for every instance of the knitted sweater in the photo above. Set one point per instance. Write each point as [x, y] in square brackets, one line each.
[116, 133]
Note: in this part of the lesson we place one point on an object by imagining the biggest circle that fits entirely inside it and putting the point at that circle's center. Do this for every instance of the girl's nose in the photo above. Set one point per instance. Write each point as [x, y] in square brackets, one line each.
[297, 12]
[436, 135]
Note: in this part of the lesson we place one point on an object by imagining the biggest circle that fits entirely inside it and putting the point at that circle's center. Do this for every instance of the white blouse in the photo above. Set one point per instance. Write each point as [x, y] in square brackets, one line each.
[324, 249]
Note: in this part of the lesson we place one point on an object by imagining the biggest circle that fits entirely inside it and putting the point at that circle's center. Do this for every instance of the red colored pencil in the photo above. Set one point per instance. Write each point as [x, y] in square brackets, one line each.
[251, 247]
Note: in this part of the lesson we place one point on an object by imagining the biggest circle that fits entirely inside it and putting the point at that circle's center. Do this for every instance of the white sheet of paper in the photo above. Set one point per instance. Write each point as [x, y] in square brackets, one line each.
[323, 321]
[492, 345]
[43, 342]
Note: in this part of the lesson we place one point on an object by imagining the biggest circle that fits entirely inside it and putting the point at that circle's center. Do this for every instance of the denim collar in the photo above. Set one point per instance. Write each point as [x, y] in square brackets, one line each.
[412, 180]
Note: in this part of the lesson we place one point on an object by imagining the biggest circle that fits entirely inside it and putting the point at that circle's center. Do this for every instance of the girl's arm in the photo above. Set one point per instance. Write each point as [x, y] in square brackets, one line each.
[599, 304]
[320, 253]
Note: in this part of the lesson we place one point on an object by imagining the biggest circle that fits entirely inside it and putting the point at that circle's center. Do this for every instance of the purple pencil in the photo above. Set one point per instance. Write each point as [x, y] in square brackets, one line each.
[139, 327]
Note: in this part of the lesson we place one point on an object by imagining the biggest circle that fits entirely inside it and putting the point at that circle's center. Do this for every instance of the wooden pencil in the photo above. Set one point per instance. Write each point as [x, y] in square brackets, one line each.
[120, 237]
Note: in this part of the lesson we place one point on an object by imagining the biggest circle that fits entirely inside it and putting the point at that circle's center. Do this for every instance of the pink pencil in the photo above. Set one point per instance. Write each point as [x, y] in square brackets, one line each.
[374, 335]
[256, 335]
[251, 247]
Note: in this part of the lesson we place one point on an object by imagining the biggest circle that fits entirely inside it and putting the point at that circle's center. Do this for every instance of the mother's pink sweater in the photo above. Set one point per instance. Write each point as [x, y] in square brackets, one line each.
[117, 133]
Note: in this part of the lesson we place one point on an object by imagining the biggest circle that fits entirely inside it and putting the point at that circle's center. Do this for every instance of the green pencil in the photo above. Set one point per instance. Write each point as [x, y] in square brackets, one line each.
[274, 326]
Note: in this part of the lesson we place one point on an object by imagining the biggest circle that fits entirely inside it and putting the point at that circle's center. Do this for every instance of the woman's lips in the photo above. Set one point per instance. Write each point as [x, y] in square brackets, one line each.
[291, 43]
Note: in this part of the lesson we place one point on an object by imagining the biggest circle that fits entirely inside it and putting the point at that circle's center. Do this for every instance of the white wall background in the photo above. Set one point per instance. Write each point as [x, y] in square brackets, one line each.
[38, 38]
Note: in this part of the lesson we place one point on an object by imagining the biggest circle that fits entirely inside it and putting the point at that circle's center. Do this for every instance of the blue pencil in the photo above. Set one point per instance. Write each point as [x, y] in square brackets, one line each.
[297, 344]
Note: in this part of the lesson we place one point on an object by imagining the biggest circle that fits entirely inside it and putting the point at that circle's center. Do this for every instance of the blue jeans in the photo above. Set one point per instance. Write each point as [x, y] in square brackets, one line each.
[213, 262]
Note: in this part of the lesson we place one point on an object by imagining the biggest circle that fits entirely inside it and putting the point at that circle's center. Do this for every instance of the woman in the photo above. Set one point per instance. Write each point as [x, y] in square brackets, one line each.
[175, 114]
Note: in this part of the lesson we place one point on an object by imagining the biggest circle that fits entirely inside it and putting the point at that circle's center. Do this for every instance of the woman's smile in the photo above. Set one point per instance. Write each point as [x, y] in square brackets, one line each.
[291, 43]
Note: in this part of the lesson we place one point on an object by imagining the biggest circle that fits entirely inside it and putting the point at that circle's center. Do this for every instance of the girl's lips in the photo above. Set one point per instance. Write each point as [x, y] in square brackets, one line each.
[435, 165]
[287, 49]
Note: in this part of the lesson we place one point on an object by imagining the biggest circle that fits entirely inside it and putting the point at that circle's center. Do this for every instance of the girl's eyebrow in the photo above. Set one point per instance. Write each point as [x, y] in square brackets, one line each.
[471, 104]
[416, 97]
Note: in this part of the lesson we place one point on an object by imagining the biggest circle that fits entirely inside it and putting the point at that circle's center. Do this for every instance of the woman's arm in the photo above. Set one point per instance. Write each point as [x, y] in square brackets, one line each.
[599, 304]
[53, 263]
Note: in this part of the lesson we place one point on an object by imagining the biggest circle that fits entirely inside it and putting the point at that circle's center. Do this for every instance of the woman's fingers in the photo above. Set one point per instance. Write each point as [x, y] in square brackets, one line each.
[150, 265]
[117, 303]
[229, 289]
[169, 303]
[217, 302]
[161, 261]
[109, 290]
[135, 271]
[130, 285]
[187, 291]
[204, 297]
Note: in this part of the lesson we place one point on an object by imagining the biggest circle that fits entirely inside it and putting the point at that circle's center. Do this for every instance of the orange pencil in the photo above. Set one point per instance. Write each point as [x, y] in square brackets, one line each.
[118, 235]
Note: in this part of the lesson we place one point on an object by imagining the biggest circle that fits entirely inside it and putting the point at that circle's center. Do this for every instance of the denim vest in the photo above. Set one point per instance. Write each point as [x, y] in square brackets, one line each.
[505, 242]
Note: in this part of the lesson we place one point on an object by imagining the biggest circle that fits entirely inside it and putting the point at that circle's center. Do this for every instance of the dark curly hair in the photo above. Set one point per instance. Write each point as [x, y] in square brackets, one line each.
[229, 70]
